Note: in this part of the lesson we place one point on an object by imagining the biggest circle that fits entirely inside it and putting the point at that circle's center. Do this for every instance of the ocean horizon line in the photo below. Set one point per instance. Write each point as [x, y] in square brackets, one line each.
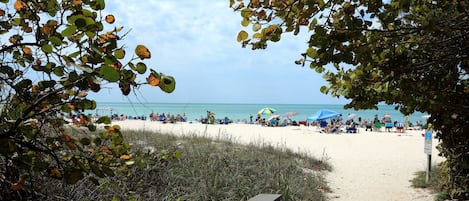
[221, 103]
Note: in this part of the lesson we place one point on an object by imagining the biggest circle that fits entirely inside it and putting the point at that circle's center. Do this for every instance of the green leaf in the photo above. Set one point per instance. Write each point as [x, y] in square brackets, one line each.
[55, 40]
[312, 53]
[256, 27]
[119, 54]
[91, 127]
[98, 5]
[80, 22]
[85, 141]
[69, 31]
[108, 171]
[104, 120]
[95, 169]
[16, 21]
[141, 68]
[73, 176]
[324, 89]
[132, 66]
[167, 84]
[47, 48]
[110, 74]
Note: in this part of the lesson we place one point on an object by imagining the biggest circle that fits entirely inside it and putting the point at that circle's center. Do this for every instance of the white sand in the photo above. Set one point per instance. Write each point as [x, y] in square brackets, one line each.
[366, 166]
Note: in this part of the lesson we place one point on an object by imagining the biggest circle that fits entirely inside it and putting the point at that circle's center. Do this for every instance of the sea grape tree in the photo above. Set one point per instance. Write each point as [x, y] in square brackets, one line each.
[52, 54]
[412, 54]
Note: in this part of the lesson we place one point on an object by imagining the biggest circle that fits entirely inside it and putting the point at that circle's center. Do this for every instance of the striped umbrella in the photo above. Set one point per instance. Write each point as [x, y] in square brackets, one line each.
[267, 111]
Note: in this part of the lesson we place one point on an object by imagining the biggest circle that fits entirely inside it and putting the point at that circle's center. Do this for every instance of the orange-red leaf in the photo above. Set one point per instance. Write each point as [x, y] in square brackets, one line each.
[153, 80]
[82, 94]
[19, 5]
[110, 19]
[67, 138]
[18, 185]
[77, 2]
[72, 107]
[27, 50]
[125, 157]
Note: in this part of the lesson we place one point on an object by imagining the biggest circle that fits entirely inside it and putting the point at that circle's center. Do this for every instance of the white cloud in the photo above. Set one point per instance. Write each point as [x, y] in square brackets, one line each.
[195, 41]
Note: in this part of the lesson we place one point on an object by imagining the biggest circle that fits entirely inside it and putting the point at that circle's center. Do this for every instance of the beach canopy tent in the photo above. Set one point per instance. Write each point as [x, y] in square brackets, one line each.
[105, 109]
[323, 114]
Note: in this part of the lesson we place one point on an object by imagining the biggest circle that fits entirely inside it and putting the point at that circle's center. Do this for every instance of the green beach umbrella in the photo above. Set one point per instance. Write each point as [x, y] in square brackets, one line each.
[267, 111]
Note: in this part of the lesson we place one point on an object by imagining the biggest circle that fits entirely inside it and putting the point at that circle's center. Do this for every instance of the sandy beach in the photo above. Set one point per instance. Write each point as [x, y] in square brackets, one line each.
[366, 166]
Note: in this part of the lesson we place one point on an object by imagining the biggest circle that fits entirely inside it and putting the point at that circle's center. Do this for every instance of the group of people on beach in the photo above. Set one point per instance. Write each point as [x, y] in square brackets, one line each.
[335, 125]
[168, 117]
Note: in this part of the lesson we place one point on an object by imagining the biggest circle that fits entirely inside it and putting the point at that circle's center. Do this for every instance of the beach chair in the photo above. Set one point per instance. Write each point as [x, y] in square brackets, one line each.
[400, 127]
[351, 129]
[377, 126]
[388, 126]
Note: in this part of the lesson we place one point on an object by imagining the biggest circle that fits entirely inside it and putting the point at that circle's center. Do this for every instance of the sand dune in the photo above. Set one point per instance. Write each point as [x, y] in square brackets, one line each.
[366, 166]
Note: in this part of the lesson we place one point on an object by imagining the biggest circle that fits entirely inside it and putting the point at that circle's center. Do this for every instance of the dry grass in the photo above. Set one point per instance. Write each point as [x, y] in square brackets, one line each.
[207, 169]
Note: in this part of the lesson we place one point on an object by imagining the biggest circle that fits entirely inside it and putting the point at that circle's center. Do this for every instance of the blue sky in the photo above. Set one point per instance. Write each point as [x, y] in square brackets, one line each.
[195, 41]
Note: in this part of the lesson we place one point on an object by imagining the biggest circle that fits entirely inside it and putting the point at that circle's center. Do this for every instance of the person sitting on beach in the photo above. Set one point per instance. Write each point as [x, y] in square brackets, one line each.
[335, 129]
[351, 128]
[332, 129]
[368, 125]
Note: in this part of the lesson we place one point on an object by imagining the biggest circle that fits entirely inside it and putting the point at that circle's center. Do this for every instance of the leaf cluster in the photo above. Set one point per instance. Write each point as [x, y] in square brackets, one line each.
[56, 53]
[411, 54]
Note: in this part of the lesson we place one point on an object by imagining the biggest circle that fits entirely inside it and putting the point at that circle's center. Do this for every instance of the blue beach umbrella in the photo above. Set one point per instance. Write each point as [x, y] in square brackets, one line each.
[267, 111]
[323, 114]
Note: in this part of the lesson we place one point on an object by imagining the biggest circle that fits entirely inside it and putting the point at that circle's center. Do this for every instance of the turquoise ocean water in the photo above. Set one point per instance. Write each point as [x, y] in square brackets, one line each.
[240, 112]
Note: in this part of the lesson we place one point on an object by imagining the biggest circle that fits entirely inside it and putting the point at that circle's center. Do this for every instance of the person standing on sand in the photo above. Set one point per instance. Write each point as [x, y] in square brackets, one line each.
[250, 118]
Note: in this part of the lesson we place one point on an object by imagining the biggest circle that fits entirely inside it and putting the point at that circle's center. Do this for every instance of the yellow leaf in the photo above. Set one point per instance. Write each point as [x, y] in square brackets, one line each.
[242, 35]
[110, 19]
[125, 157]
[55, 173]
[142, 52]
[153, 80]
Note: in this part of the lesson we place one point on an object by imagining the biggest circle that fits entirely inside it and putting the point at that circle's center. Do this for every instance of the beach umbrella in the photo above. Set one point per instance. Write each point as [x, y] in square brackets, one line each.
[351, 116]
[323, 114]
[267, 111]
[289, 114]
[273, 117]
[426, 116]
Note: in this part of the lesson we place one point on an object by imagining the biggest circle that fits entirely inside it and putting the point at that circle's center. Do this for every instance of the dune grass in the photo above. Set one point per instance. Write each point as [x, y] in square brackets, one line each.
[206, 169]
[420, 181]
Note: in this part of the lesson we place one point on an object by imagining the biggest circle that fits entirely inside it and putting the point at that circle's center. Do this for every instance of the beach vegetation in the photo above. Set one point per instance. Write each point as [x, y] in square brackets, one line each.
[434, 183]
[203, 168]
[52, 55]
[410, 54]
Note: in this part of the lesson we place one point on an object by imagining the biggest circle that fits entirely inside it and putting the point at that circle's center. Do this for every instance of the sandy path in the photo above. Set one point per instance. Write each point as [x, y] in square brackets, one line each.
[367, 166]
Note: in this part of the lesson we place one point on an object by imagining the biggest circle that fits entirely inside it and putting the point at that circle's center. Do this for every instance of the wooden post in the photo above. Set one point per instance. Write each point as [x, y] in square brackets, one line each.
[266, 197]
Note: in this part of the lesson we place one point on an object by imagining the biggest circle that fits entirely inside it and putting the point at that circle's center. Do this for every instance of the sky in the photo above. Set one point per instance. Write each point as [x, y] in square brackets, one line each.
[195, 42]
